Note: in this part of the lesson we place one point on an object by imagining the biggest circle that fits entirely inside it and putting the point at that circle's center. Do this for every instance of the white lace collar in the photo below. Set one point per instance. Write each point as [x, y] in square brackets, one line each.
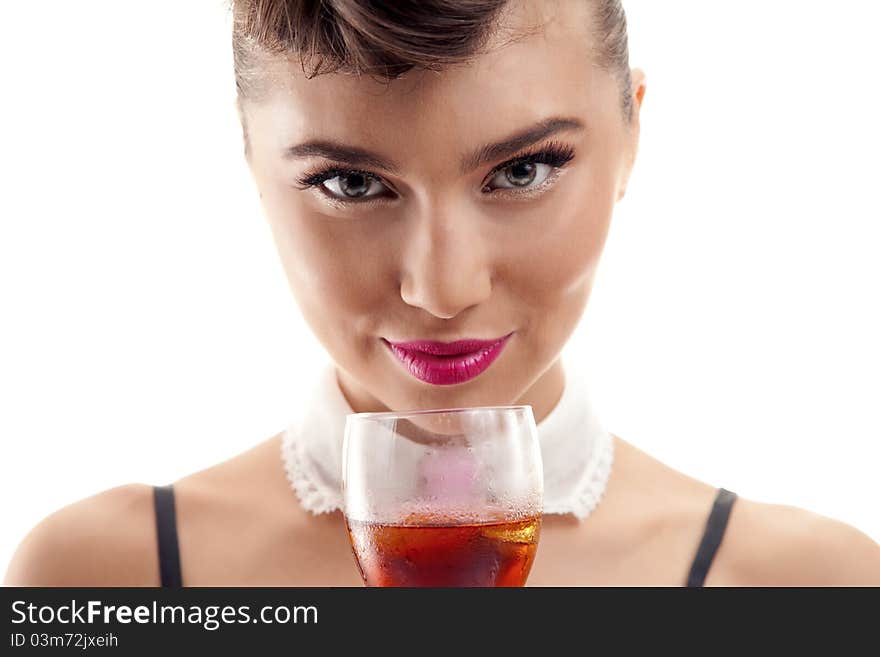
[576, 450]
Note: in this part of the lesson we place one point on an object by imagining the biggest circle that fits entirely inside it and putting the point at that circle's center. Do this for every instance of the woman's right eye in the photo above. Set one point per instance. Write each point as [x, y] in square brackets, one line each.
[344, 186]
[352, 186]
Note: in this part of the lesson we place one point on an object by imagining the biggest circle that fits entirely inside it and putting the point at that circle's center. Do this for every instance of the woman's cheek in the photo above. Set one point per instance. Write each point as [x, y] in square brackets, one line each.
[560, 264]
[343, 275]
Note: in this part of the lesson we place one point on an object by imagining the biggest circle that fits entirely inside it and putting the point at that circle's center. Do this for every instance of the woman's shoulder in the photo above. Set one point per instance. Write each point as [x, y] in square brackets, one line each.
[109, 538]
[106, 539]
[763, 544]
[781, 545]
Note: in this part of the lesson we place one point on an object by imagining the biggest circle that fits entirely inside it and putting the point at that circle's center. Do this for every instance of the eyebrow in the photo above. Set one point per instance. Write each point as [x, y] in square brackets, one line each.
[360, 157]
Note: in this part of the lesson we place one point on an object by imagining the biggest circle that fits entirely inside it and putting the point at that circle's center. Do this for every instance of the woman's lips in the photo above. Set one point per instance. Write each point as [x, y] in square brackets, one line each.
[447, 363]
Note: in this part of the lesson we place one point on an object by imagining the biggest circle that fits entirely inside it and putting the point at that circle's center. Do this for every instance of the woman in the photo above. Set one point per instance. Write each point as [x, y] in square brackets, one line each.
[439, 171]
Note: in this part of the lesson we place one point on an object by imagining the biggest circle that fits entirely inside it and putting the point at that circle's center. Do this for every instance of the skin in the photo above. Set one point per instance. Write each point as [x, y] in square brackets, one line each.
[440, 259]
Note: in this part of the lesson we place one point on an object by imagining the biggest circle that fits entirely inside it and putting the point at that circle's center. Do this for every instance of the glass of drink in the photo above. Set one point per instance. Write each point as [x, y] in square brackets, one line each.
[447, 497]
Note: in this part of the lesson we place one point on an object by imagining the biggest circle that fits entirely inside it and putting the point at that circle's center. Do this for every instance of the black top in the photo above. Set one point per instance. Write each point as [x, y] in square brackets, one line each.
[714, 532]
[166, 530]
[169, 552]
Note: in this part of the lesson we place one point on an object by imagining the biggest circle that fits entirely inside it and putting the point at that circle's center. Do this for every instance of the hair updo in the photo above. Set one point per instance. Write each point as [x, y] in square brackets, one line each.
[385, 39]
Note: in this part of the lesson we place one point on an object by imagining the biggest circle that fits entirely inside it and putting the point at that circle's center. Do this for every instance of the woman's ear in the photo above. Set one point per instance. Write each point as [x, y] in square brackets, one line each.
[637, 89]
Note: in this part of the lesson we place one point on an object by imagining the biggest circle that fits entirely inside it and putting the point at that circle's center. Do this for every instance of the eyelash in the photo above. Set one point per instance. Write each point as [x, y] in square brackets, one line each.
[554, 154]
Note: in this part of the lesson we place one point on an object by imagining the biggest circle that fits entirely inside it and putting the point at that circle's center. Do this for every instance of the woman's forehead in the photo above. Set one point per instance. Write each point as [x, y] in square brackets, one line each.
[543, 74]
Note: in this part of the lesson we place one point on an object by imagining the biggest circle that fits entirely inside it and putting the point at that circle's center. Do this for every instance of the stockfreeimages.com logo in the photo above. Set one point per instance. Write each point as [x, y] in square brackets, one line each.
[210, 617]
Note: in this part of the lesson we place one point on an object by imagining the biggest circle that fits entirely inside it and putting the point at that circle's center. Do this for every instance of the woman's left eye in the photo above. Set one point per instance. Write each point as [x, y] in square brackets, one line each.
[521, 175]
[531, 171]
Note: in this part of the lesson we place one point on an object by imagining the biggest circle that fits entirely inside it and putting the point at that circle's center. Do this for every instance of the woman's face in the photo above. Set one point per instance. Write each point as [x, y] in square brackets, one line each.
[438, 236]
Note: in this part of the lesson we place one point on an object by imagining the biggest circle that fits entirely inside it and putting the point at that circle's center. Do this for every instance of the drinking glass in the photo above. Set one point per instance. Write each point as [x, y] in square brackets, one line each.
[444, 497]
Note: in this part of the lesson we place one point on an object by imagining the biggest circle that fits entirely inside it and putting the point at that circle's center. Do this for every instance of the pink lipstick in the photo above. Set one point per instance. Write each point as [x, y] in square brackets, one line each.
[447, 363]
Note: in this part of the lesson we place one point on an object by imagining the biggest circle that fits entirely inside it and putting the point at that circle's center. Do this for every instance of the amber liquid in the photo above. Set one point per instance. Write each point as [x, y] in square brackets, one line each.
[488, 554]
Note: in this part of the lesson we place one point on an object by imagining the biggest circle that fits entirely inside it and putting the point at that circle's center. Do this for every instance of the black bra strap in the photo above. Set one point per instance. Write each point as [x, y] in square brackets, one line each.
[715, 526]
[166, 530]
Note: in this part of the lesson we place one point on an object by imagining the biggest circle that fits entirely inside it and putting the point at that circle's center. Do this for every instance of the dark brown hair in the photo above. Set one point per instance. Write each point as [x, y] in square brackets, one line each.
[385, 39]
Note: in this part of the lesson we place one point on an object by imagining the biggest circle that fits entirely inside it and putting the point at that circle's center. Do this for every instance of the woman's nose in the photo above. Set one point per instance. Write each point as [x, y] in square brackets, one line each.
[445, 265]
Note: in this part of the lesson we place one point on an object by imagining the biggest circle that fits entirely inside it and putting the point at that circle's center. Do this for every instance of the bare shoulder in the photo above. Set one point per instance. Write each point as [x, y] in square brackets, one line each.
[780, 545]
[107, 539]
[763, 544]
[229, 510]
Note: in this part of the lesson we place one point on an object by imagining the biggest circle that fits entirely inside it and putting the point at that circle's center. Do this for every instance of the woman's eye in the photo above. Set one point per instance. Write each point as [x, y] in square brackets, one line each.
[521, 175]
[528, 174]
[351, 186]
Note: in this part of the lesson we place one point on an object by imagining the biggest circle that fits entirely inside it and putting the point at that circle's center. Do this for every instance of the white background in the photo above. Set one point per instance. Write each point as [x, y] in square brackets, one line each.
[147, 330]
